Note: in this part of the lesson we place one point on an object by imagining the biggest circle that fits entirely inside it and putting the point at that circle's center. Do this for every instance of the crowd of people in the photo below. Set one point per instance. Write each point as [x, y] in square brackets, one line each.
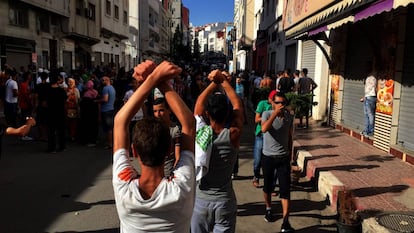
[184, 126]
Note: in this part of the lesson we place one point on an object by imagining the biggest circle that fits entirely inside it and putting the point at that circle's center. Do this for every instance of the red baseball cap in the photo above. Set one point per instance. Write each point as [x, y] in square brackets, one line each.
[272, 94]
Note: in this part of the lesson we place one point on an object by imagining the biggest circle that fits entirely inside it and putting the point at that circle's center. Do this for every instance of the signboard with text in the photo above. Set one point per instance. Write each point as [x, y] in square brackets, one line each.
[297, 10]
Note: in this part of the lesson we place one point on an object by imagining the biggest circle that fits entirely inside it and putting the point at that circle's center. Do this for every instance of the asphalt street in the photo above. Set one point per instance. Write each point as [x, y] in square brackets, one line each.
[71, 191]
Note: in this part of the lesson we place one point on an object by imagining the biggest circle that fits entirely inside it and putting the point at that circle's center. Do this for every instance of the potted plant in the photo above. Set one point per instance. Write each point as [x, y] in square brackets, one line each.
[300, 103]
[348, 219]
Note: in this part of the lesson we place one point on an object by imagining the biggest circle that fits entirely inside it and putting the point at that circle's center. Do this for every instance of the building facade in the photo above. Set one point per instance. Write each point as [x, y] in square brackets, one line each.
[244, 27]
[356, 39]
[84, 34]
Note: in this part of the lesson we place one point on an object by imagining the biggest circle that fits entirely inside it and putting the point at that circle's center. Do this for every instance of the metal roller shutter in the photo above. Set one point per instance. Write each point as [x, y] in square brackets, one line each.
[17, 59]
[405, 125]
[358, 65]
[353, 109]
[405, 134]
[308, 57]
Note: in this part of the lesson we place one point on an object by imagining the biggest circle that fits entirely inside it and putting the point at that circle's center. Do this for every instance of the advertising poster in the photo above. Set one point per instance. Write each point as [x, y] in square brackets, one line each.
[385, 96]
[335, 87]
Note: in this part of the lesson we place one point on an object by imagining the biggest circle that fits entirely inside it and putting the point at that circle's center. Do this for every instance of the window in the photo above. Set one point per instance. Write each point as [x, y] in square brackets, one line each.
[44, 25]
[108, 7]
[18, 16]
[91, 12]
[116, 12]
[79, 7]
[125, 17]
[151, 19]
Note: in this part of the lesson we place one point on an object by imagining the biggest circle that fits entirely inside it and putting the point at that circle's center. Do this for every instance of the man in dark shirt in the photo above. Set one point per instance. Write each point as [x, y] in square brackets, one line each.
[55, 115]
[306, 86]
[286, 83]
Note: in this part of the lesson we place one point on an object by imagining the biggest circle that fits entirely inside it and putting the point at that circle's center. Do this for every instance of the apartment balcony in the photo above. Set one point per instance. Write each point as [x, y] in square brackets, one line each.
[106, 33]
[244, 43]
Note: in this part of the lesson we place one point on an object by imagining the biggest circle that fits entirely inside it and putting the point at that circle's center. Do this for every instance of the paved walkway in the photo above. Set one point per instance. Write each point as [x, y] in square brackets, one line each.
[379, 180]
[382, 184]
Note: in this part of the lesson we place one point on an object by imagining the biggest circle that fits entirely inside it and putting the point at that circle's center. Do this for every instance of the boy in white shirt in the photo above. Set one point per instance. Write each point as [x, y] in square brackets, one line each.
[150, 202]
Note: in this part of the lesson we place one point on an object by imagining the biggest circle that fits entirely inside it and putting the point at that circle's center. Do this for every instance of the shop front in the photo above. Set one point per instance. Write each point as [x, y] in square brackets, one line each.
[260, 53]
[368, 37]
[16, 52]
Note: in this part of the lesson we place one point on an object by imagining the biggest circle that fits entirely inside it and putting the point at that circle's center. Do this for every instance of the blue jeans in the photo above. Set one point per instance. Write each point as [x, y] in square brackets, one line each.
[257, 155]
[369, 110]
[215, 216]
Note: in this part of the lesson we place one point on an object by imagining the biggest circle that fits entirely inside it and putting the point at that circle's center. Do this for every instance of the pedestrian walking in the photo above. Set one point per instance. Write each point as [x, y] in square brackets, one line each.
[264, 105]
[216, 154]
[277, 128]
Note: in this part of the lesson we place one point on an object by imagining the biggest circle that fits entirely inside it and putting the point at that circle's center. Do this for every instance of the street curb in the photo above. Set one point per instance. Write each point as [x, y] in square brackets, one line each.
[327, 183]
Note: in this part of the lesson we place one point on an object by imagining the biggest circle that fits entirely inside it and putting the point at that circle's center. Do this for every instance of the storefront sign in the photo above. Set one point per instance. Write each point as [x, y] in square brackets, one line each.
[385, 96]
[297, 10]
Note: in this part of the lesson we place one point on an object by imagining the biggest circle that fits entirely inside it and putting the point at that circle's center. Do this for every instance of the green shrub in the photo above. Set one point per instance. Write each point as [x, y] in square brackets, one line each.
[300, 103]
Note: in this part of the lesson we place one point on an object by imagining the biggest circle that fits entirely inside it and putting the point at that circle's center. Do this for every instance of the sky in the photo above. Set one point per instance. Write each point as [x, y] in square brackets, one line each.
[209, 11]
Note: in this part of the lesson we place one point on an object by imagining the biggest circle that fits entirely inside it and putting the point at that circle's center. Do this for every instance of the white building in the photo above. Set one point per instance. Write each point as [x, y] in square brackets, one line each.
[113, 31]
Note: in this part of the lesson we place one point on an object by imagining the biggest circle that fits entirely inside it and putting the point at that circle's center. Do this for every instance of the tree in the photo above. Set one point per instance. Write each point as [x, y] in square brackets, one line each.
[196, 50]
[179, 51]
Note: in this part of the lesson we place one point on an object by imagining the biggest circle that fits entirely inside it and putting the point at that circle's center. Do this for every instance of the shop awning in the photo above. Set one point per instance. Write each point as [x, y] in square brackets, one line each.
[340, 13]
[329, 15]
[373, 9]
[398, 3]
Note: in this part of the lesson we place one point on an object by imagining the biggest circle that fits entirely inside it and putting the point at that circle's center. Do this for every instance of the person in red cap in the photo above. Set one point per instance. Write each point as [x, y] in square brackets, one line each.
[262, 106]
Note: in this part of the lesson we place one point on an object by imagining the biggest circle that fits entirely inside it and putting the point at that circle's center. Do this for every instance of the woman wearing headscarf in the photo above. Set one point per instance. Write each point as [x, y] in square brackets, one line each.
[89, 115]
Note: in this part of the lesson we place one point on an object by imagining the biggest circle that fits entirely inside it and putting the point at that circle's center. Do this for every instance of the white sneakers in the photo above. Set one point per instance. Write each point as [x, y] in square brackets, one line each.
[27, 138]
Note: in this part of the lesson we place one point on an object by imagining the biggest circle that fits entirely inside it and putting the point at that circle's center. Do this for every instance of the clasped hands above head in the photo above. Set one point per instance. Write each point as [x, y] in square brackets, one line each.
[218, 76]
[164, 71]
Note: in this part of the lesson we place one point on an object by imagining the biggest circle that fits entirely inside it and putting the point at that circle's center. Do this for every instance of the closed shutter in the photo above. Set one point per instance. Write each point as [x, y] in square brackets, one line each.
[308, 57]
[405, 124]
[67, 61]
[17, 59]
[405, 136]
[353, 109]
[359, 60]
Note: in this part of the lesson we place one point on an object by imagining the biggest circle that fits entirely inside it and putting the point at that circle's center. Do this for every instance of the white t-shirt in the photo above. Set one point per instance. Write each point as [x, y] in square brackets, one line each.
[171, 205]
[370, 86]
[39, 80]
[10, 86]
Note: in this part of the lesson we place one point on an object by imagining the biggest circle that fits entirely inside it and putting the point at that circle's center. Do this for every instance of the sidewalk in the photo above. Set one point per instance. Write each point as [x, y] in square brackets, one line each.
[381, 182]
